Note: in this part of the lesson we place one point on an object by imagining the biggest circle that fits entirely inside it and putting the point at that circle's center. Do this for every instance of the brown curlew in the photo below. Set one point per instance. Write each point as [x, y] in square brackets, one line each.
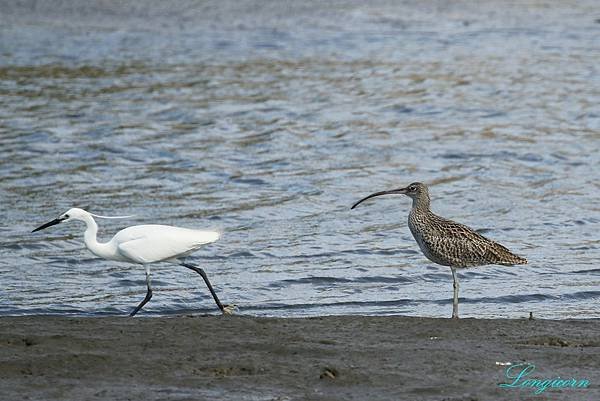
[446, 242]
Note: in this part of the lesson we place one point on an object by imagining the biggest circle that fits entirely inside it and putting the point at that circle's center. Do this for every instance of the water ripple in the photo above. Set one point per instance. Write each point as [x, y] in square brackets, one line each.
[269, 128]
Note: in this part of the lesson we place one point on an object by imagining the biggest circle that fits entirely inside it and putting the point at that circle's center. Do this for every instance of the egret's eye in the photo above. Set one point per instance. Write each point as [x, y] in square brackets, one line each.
[66, 216]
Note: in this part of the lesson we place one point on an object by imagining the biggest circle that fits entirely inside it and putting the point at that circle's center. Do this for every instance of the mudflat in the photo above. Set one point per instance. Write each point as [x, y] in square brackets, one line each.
[324, 358]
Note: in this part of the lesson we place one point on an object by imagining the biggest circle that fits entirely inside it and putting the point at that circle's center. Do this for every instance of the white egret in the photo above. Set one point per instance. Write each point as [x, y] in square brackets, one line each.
[143, 245]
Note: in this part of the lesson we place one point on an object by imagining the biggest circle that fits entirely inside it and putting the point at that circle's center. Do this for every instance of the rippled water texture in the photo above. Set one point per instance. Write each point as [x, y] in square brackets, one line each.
[269, 119]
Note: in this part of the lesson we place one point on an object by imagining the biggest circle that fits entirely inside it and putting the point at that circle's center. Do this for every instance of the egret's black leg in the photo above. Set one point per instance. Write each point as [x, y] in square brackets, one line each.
[148, 294]
[210, 288]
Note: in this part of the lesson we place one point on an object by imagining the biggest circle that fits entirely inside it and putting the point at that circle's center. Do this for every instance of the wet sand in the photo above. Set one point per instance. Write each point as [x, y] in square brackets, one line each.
[328, 358]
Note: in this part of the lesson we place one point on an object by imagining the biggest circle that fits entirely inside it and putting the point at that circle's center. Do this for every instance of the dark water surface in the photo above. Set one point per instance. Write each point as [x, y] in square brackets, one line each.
[269, 119]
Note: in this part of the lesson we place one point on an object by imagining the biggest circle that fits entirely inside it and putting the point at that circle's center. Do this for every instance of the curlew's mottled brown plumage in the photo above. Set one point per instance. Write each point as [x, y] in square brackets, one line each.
[446, 242]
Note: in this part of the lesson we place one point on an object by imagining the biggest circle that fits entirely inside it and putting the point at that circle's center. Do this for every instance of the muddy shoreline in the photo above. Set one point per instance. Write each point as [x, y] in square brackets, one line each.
[326, 358]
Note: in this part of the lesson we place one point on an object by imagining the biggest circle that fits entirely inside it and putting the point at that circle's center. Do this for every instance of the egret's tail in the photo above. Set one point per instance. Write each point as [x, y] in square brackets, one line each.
[206, 237]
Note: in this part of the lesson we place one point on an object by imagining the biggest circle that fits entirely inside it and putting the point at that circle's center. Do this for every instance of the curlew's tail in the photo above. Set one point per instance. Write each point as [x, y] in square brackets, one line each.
[509, 259]
[517, 260]
[502, 256]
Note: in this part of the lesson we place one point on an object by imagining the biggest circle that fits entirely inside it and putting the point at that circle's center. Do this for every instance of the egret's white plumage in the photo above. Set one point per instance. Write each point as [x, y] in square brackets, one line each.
[154, 243]
[144, 244]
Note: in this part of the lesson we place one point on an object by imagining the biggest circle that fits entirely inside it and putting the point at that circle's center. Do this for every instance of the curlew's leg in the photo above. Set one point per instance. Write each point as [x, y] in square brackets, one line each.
[226, 309]
[148, 294]
[455, 301]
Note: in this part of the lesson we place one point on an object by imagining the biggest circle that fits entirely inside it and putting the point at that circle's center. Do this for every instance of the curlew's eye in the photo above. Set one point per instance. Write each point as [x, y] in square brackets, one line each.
[412, 188]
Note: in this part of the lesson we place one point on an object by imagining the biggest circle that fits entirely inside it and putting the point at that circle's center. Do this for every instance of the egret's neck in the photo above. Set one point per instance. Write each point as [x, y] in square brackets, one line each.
[90, 237]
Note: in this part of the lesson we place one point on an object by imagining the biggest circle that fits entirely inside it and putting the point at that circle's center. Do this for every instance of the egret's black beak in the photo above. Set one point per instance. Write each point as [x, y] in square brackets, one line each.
[393, 191]
[50, 223]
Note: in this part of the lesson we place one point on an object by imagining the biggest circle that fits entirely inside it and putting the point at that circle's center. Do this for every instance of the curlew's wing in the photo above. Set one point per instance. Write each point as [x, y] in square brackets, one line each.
[457, 245]
[154, 243]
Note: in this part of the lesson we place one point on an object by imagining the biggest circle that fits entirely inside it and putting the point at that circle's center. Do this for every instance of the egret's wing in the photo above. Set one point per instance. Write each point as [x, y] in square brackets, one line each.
[151, 243]
[144, 251]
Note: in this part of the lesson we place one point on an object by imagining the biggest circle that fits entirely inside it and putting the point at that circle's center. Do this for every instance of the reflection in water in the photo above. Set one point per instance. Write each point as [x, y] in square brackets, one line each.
[269, 122]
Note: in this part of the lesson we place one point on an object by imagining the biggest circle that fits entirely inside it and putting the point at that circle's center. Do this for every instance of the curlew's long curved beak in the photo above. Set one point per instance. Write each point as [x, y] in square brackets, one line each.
[48, 224]
[393, 191]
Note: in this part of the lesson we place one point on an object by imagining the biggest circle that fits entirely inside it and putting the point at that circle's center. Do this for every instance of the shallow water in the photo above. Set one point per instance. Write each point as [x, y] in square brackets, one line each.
[268, 120]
